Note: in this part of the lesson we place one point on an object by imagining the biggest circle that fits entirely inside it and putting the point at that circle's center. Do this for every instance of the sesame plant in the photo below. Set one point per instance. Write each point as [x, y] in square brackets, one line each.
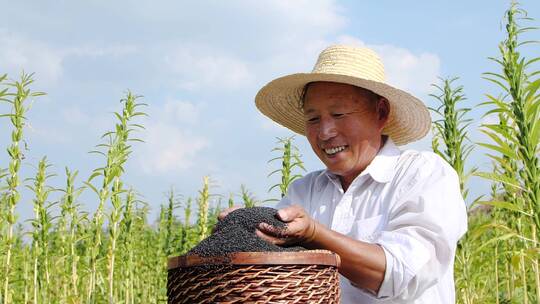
[514, 149]
[290, 159]
[18, 98]
[203, 204]
[126, 244]
[117, 150]
[247, 197]
[450, 129]
[42, 225]
[450, 141]
[186, 232]
[69, 223]
[66, 254]
[171, 227]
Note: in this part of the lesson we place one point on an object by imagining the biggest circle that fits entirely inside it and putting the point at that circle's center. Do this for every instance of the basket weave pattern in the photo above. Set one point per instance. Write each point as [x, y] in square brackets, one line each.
[254, 284]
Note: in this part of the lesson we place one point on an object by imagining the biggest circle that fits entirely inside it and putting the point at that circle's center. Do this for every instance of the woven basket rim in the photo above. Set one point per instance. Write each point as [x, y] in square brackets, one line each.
[308, 257]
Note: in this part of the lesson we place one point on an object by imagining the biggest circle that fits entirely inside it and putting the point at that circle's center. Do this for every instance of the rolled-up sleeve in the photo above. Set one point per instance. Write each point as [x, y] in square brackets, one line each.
[423, 228]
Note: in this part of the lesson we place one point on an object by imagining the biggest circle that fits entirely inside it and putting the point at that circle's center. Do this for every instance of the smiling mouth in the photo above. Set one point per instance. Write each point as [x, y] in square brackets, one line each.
[334, 150]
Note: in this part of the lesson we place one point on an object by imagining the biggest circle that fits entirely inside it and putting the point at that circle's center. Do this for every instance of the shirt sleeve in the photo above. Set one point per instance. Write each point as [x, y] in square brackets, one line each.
[423, 228]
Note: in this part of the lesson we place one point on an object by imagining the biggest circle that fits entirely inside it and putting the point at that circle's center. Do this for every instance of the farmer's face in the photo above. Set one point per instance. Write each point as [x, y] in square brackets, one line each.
[343, 126]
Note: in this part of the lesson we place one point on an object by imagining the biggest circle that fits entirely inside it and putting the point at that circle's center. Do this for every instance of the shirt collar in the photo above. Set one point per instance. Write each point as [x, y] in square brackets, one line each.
[382, 168]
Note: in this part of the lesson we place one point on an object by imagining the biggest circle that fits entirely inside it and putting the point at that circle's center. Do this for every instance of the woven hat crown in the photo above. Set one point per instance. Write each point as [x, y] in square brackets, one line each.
[356, 62]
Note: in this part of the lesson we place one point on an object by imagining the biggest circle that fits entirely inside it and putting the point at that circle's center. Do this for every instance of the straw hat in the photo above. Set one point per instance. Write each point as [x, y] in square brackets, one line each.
[280, 99]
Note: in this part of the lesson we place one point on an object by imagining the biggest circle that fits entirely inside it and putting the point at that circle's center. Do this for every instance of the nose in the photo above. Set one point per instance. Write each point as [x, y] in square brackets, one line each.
[327, 129]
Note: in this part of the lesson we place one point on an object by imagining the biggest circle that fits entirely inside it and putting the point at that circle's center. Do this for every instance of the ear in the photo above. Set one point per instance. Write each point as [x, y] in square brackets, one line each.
[382, 109]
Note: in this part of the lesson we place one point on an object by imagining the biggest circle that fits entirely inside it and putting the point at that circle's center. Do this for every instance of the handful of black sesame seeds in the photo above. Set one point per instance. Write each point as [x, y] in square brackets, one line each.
[236, 233]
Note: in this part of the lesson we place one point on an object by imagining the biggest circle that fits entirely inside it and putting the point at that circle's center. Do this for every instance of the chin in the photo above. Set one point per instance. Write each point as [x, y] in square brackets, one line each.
[335, 171]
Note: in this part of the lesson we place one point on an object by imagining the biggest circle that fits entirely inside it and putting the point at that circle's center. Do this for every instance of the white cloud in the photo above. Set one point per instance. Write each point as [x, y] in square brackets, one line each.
[73, 125]
[265, 25]
[95, 51]
[350, 40]
[196, 68]
[179, 112]
[409, 71]
[265, 38]
[18, 53]
[170, 145]
[221, 54]
[74, 115]
[47, 133]
[169, 148]
[293, 23]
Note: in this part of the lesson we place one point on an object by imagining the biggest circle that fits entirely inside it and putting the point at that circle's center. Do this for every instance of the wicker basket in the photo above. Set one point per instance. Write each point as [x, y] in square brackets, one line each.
[255, 277]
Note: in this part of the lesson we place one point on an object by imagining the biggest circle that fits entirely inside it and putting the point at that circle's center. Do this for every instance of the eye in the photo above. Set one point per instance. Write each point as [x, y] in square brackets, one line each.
[312, 120]
[338, 115]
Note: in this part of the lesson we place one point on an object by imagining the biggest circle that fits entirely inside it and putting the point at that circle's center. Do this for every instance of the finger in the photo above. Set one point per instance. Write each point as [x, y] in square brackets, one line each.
[279, 241]
[270, 239]
[294, 227]
[290, 213]
[272, 230]
[226, 212]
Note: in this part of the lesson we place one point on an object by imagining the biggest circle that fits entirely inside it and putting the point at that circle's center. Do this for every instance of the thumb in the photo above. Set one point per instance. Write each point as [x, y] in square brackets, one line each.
[290, 213]
[282, 215]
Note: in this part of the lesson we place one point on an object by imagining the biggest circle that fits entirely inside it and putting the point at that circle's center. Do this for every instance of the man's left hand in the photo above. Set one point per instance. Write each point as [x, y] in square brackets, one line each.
[301, 228]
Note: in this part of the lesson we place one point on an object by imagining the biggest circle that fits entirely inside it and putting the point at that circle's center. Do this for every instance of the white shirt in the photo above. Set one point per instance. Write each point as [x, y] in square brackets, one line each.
[410, 204]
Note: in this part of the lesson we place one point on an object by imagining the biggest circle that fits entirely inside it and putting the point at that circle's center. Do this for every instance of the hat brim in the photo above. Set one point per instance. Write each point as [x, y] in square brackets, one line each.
[409, 118]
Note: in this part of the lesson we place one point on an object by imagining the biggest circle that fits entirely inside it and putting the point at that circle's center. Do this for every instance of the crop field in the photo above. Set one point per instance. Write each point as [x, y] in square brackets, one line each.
[118, 254]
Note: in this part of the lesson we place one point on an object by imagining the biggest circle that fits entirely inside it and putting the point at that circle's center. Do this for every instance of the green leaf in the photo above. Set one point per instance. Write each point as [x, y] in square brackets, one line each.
[516, 258]
[273, 187]
[532, 254]
[503, 237]
[95, 174]
[89, 185]
[504, 205]
[505, 150]
[498, 83]
[535, 133]
[499, 178]
[501, 77]
[478, 231]
[531, 90]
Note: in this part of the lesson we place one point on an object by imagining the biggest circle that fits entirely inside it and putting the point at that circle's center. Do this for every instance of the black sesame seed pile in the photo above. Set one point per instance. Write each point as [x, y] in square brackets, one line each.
[236, 233]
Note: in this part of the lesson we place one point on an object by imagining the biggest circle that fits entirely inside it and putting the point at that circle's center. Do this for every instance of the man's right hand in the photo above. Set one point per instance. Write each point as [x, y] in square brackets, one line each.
[301, 228]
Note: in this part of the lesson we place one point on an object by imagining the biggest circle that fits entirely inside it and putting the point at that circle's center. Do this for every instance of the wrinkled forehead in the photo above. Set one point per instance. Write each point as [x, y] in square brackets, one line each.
[332, 92]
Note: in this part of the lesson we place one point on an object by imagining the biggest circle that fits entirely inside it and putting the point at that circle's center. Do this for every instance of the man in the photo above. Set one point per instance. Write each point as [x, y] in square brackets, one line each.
[394, 217]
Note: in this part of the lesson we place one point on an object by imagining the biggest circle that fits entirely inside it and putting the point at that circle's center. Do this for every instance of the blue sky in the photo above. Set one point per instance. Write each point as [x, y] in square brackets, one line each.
[199, 65]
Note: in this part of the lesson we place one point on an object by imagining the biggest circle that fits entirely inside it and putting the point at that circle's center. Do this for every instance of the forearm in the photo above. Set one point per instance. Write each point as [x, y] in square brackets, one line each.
[362, 263]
